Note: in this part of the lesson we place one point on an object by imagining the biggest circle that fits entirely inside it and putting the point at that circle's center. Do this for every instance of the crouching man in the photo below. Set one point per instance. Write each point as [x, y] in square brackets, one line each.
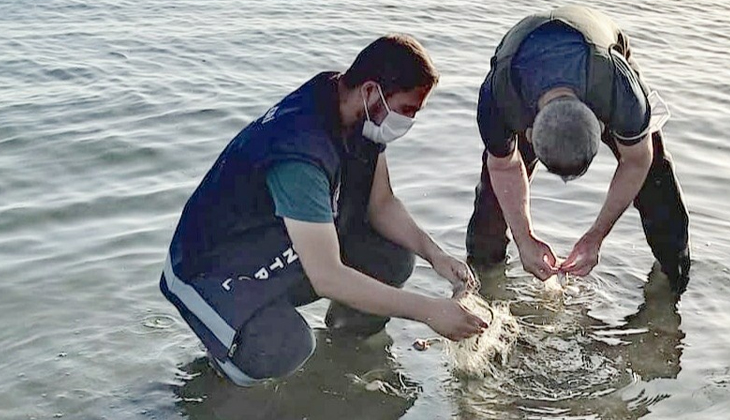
[299, 206]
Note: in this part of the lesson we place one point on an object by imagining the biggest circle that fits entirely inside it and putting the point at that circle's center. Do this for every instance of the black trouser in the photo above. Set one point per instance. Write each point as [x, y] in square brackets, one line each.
[277, 340]
[371, 254]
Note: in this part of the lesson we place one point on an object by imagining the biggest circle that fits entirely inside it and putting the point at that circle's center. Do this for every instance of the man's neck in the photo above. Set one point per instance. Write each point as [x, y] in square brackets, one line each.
[351, 109]
[554, 93]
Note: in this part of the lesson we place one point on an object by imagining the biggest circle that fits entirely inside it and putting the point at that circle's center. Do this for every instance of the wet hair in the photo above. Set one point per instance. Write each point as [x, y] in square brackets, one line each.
[397, 62]
[565, 137]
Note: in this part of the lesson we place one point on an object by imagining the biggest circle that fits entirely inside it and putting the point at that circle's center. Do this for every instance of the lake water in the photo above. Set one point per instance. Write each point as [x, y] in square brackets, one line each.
[112, 111]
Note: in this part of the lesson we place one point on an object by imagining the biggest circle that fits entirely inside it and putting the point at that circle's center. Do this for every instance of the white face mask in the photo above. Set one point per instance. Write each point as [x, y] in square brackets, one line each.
[393, 126]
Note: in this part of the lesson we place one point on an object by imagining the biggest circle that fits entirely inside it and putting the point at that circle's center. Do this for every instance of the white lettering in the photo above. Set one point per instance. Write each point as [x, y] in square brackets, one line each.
[290, 255]
[227, 284]
[278, 263]
[262, 274]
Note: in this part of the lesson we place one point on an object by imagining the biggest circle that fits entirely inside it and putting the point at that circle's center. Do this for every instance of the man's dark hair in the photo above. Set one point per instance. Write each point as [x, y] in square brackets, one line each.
[397, 62]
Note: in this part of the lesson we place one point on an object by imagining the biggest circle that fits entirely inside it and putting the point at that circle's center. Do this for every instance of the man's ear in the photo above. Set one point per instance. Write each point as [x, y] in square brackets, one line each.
[367, 89]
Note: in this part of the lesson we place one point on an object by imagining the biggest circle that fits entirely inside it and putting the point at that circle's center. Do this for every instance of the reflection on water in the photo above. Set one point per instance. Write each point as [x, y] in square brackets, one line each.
[568, 364]
[343, 380]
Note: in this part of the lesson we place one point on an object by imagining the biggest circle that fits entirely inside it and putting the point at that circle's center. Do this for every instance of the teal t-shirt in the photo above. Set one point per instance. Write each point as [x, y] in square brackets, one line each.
[300, 191]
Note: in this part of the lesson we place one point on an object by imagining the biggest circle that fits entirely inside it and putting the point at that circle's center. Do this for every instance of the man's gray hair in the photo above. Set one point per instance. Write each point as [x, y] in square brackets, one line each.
[565, 136]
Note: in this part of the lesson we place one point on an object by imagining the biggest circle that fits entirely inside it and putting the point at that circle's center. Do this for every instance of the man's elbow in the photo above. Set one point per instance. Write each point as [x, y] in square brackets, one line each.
[379, 209]
[323, 279]
[640, 161]
[640, 155]
[506, 163]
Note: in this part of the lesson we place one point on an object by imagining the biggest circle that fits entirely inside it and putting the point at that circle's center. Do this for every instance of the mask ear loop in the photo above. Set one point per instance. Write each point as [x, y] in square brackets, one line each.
[365, 104]
[380, 91]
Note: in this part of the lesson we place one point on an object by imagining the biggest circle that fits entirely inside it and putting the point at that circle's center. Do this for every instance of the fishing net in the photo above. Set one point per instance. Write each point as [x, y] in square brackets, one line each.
[481, 355]
[484, 354]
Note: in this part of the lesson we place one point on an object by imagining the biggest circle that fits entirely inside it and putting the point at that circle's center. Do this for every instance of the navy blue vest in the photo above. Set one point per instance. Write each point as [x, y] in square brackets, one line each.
[232, 201]
[230, 255]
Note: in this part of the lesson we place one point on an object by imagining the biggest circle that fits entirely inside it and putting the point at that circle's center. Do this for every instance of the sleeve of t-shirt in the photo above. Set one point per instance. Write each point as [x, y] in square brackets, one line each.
[631, 112]
[300, 192]
[497, 138]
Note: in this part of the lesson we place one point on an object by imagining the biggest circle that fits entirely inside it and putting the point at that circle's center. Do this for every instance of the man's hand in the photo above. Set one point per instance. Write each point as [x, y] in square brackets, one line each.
[451, 320]
[538, 258]
[456, 272]
[583, 257]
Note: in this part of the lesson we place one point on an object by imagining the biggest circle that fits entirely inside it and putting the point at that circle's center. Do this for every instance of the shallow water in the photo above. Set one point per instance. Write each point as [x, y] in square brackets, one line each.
[111, 112]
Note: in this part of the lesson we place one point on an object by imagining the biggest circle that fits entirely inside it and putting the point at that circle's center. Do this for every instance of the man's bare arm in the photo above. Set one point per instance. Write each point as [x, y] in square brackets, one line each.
[318, 249]
[634, 163]
[512, 189]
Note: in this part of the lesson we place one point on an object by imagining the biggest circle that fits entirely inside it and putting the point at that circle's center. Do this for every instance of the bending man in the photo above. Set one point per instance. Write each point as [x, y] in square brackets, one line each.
[561, 82]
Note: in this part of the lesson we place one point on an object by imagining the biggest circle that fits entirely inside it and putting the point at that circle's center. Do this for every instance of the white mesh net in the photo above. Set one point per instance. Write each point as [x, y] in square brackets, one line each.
[480, 355]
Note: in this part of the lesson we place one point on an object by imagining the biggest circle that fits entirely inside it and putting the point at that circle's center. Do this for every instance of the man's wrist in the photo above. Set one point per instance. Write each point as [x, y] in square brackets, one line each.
[522, 239]
[596, 235]
[423, 312]
[432, 251]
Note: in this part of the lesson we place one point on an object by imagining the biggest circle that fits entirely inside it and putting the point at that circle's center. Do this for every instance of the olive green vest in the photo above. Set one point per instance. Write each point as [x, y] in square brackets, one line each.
[600, 33]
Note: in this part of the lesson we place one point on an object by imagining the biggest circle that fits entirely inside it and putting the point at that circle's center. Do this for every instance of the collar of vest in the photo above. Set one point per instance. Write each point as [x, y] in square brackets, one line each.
[602, 36]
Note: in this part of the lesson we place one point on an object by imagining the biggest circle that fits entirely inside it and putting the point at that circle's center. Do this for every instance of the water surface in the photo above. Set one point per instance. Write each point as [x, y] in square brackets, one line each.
[111, 112]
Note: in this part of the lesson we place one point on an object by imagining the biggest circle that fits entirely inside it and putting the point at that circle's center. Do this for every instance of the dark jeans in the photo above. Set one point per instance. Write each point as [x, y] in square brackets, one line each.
[664, 215]
[276, 341]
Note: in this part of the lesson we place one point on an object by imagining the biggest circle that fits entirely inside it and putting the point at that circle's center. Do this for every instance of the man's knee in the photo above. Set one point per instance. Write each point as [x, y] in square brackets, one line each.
[486, 233]
[660, 200]
[275, 343]
[486, 244]
[368, 252]
[346, 321]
